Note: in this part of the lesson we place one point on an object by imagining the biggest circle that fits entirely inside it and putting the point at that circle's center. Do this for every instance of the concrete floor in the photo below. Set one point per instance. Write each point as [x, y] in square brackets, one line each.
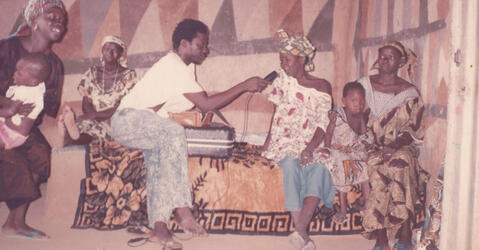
[54, 214]
[57, 225]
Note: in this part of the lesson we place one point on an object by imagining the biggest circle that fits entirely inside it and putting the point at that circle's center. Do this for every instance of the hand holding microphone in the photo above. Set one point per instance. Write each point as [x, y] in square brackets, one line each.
[256, 84]
[271, 76]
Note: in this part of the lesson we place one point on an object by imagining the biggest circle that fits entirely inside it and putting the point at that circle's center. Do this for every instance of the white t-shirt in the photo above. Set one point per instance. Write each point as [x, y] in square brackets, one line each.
[165, 82]
[27, 94]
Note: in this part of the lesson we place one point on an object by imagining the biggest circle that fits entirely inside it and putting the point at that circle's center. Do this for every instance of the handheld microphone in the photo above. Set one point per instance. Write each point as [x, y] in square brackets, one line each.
[271, 76]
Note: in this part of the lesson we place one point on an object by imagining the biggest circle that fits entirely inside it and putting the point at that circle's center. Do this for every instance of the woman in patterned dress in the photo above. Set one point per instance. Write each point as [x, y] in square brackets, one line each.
[302, 102]
[395, 175]
[102, 88]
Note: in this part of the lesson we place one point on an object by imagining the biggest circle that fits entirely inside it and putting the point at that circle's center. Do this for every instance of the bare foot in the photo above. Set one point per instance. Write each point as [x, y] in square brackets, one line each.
[191, 226]
[69, 121]
[185, 219]
[162, 235]
[61, 130]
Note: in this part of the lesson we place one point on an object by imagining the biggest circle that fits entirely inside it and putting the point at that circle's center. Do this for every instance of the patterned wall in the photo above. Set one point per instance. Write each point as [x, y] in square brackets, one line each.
[346, 34]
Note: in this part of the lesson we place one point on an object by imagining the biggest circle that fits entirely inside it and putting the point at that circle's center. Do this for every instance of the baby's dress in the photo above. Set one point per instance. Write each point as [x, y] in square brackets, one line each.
[27, 94]
[348, 153]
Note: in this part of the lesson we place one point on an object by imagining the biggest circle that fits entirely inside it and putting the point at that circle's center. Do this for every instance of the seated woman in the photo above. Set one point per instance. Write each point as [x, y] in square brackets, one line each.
[302, 102]
[396, 121]
[346, 142]
[102, 88]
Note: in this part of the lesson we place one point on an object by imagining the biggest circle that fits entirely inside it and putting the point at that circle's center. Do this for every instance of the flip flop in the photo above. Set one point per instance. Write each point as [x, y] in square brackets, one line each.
[169, 245]
[139, 229]
[296, 240]
[309, 245]
[30, 236]
[378, 248]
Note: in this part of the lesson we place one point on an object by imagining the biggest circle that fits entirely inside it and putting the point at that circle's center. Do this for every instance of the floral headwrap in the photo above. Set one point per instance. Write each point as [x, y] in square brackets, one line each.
[297, 45]
[116, 40]
[407, 55]
[33, 9]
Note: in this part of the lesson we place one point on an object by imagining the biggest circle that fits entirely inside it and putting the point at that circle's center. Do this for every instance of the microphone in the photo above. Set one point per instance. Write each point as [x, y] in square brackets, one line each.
[271, 76]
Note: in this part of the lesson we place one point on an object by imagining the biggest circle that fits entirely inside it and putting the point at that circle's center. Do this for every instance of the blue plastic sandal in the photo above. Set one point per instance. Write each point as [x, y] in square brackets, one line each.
[401, 246]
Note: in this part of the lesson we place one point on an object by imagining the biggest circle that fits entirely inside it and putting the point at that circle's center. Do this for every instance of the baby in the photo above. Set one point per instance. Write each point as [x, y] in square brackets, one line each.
[346, 142]
[23, 100]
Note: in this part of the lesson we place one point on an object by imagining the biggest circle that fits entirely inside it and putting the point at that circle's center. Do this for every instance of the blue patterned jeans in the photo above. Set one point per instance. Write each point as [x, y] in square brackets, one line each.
[163, 144]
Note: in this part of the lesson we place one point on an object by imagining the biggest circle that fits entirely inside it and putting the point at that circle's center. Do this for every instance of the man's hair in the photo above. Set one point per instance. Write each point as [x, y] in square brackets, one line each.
[187, 30]
[353, 85]
[40, 68]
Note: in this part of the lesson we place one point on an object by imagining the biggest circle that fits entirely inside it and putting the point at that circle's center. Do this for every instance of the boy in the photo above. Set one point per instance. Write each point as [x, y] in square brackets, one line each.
[24, 100]
[346, 142]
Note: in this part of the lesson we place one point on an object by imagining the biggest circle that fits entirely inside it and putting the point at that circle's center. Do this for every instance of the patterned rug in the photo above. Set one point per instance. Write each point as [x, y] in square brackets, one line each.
[240, 195]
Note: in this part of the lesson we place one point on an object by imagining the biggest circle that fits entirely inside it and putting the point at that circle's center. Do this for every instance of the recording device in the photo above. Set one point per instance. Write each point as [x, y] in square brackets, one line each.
[271, 76]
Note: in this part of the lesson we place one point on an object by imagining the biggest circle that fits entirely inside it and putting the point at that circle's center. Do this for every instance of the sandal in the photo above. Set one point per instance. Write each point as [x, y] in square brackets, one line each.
[139, 229]
[339, 218]
[309, 245]
[169, 245]
[296, 240]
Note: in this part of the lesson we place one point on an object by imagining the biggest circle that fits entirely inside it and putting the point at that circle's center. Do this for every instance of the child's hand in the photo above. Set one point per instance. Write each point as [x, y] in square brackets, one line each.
[26, 108]
[332, 115]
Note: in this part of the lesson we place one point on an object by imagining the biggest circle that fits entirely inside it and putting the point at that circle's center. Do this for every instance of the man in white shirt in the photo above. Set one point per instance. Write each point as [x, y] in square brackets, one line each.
[141, 121]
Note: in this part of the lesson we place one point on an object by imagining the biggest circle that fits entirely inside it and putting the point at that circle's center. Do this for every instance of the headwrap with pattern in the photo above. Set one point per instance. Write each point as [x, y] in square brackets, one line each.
[297, 45]
[33, 9]
[408, 56]
[116, 40]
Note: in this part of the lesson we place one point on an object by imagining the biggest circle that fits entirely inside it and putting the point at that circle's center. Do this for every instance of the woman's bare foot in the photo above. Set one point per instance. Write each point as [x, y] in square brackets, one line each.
[185, 219]
[70, 124]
